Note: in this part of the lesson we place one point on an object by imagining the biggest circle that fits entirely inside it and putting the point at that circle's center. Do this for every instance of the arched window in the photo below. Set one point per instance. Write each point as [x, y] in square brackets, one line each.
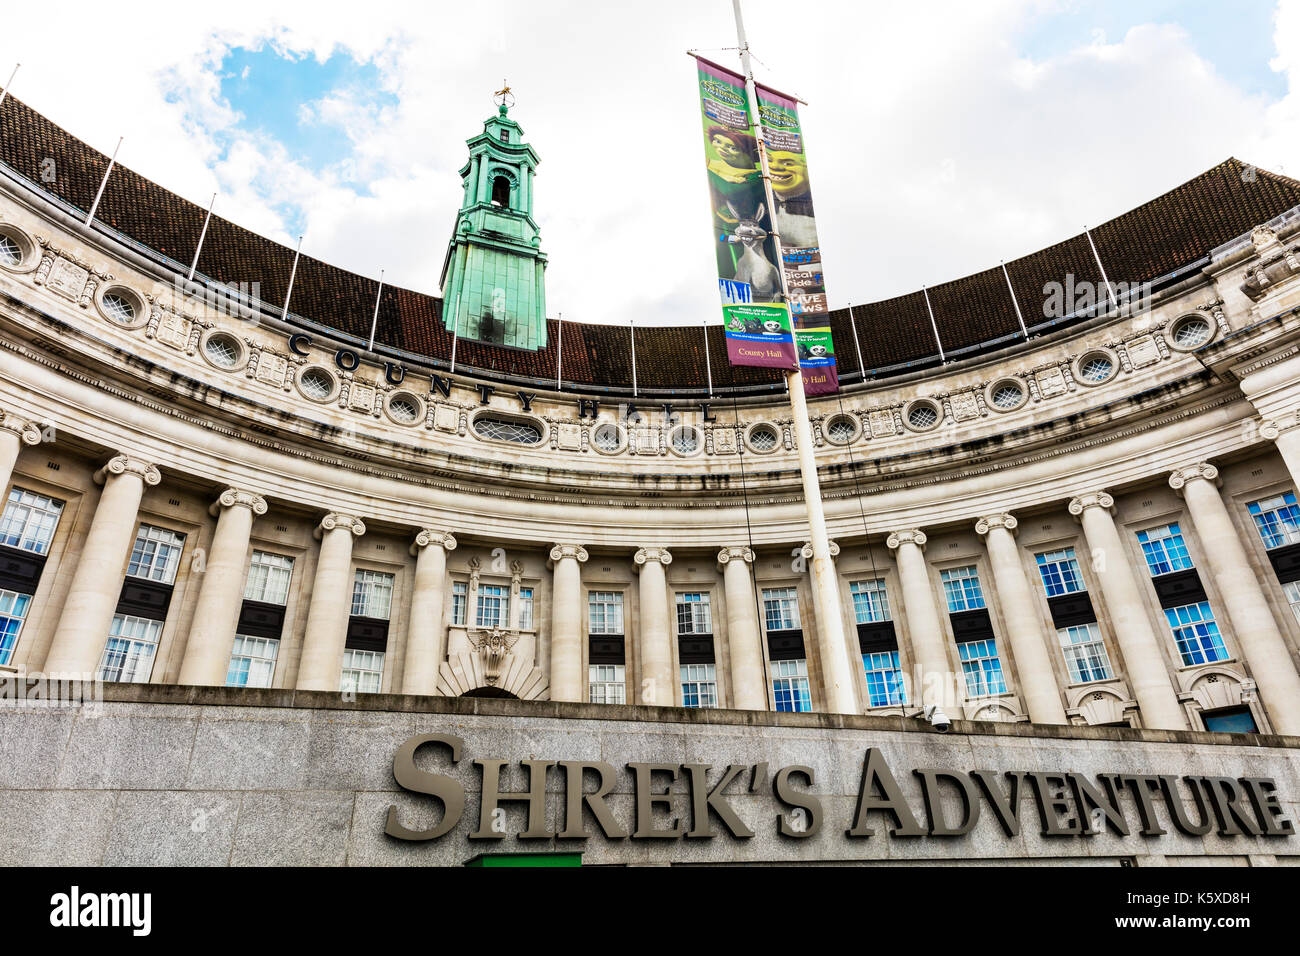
[501, 191]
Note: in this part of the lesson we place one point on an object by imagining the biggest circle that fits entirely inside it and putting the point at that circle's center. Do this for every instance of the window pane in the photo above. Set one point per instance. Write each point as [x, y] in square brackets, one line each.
[363, 671]
[781, 609]
[268, 578]
[13, 609]
[252, 662]
[699, 685]
[29, 521]
[606, 684]
[128, 655]
[1164, 549]
[1197, 634]
[1060, 572]
[790, 686]
[884, 679]
[605, 612]
[156, 554]
[870, 601]
[961, 586]
[694, 615]
[982, 668]
[372, 594]
[1277, 519]
[1085, 653]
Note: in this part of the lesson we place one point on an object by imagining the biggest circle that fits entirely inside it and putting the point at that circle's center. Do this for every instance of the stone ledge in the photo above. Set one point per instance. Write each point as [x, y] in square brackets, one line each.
[499, 707]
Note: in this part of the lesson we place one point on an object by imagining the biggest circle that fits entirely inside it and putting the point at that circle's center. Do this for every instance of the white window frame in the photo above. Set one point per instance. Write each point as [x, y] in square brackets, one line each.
[157, 553]
[269, 577]
[886, 664]
[781, 607]
[977, 676]
[141, 636]
[954, 587]
[694, 613]
[607, 683]
[1084, 657]
[363, 671]
[699, 681]
[13, 615]
[1058, 559]
[260, 653]
[793, 676]
[372, 594]
[611, 615]
[36, 518]
[459, 602]
[492, 606]
[525, 609]
[870, 601]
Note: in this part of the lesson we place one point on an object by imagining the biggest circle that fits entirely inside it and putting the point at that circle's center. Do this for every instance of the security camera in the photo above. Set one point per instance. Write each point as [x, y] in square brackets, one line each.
[938, 719]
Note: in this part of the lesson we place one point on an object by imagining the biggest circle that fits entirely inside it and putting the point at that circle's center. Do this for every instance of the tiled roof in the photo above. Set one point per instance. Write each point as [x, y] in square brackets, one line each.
[1151, 241]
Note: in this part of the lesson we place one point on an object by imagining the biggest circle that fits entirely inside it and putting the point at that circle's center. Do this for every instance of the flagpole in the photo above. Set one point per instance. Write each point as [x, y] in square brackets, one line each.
[708, 364]
[631, 328]
[838, 678]
[374, 322]
[202, 235]
[559, 351]
[108, 172]
[5, 91]
[293, 273]
[455, 330]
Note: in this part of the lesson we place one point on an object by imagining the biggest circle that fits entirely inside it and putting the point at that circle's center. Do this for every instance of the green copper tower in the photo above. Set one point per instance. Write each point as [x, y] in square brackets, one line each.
[494, 276]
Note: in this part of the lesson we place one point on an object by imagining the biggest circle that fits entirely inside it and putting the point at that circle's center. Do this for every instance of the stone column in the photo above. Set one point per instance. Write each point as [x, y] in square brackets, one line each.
[96, 585]
[656, 639]
[1143, 659]
[566, 622]
[744, 639]
[1273, 388]
[216, 615]
[321, 666]
[425, 641]
[932, 669]
[837, 646]
[1024, 624]
[14, 433]
[1252, 620]
[1285, 434]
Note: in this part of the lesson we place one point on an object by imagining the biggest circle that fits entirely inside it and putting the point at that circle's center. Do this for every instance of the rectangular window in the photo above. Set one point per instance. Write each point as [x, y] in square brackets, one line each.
[1198, 637]
[156, 554]
[268, 578]
[605, 612]
[1060, 571]
[13, 610]
[781, 609]
[372, 594]
[1085, 653]
[1164, 550]
[493, 609]
[1292, 592]
[1278, 519]
[252, 662]
[884, 679]
[962, 588]
[694, 615]
[459, 597]
[525, 609]
[128, 655]
[362, 671]
[870, 601]
[982, 667]
[1232, 720]
[606, 684]
[790, 686]
[29, 520]
[699, 685]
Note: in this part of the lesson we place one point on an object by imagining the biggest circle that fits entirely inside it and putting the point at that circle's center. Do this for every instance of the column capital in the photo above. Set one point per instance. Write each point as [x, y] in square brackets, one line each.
[1092, 499]
[807, 552]
[908, 536]
[234, 497]
[575, 551]
[1272, 428]
[427, 536]
[335, 520]
[29, 432]
[733, 553]
[662, 555]
[1202, 469]
[123, 464]
[1003, 520]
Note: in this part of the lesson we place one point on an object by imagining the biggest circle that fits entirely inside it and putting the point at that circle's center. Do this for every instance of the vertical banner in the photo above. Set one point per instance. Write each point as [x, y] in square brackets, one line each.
[756, 322]
[787, 166]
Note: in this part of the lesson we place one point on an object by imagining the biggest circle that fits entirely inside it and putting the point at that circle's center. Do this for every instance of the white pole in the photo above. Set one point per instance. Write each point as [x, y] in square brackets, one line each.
[374, 322]
[853, 324]
[934, 325]
[631, 328]
[559, 351]
[108, 172]
[1014, 301]
[202, 235]
[455, 330]
[708, 364]
[1109, 291]
[284, 313]
[837, 676]
[5, 91]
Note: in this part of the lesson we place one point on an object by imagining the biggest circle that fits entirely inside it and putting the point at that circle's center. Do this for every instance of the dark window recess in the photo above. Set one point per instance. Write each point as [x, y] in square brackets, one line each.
[1179, 588]
[785, 645]
[695, 648]
[1069, 610]
[972, 626]
[20, 570]
[1286, 563]
[142, 598]
[874, 638]
[607, 649]
[367, 634]
[1230, 720]
[257, 619]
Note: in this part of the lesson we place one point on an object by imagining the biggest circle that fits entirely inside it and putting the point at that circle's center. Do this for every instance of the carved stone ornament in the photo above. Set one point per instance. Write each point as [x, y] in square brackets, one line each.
[493, 646]
[29, 432]
[428, 536]
[652, 554]
[807, 550]
[568, 551]
[1091, 499]
[126, 465]
[911, 536]
[1202, 469]
[233, 496]
[335, 520]
[735, 553]
[989, 522]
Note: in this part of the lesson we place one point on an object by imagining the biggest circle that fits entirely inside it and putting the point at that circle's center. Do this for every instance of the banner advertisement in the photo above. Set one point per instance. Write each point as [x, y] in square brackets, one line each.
[787, 166]
[756, 322]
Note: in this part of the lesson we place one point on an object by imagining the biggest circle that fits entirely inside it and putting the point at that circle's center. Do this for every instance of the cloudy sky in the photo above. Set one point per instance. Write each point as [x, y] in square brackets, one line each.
[943, 136]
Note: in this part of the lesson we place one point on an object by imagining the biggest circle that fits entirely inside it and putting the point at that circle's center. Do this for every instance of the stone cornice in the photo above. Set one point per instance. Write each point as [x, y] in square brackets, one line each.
[335, 520]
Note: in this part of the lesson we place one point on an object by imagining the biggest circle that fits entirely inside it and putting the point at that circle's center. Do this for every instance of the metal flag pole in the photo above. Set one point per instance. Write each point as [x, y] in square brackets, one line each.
[455, 330]
[1014, 301]
[5, 91]
[1109, 291]
[374, 321]
[853, 324]
[108, 172]
[631, 328]
[838, 678]
[202, 235]
[284, 313]
[708, 364]
[933, 324]
[559, 351]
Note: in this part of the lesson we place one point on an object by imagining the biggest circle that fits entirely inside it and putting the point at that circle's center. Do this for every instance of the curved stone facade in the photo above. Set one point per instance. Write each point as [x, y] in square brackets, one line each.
[446, 534]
